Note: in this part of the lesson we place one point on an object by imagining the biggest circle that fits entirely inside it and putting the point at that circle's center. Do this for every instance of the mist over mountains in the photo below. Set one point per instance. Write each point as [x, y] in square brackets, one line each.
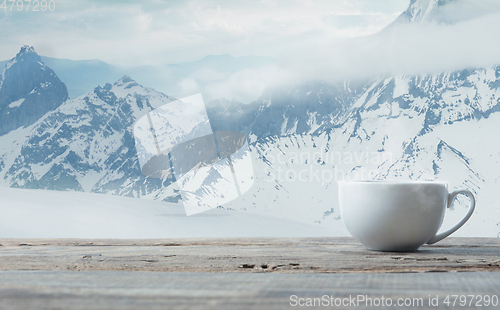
[181, 79]
[304, 136]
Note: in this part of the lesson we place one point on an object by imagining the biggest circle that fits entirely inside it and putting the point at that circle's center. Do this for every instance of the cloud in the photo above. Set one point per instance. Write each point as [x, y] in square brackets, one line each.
[248, 84]
[178, 31]
[243, 85]
[143, 21]
[443, 44]
[329, 40]
[463, 10]
[407, 49]
[430, 47]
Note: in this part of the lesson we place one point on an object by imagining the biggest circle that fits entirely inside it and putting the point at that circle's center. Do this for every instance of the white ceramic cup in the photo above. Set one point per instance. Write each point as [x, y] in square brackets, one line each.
[397, 216]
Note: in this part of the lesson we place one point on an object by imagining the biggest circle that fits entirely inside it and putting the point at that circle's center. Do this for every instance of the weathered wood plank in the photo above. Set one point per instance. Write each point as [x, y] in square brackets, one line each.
[283, 255]
[193, 290]
[257, 273]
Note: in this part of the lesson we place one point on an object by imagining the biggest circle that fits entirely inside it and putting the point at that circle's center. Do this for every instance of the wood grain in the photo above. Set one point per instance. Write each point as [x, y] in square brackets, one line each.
[256, 273]
[266, 255]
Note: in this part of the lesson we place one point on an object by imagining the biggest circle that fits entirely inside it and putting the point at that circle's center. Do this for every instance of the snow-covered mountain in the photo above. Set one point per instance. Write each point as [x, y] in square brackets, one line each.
[86, 144]
[305, 108]
[28, 90]
[425, 127]
[420, 10]
[440, 11]
[303, 138]
[428, 127]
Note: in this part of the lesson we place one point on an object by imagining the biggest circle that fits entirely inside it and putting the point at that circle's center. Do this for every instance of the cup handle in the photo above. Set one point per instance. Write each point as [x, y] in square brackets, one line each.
[451, 198]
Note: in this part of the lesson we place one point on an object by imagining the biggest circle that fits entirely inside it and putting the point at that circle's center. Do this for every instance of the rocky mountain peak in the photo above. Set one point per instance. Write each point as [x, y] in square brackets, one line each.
[126, 81]
[26, 49]
[28, 90]
[420, 11]
[28, 54]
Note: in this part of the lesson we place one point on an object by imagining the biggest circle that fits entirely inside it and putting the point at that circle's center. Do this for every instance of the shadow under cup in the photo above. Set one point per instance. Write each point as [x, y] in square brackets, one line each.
[396, 216]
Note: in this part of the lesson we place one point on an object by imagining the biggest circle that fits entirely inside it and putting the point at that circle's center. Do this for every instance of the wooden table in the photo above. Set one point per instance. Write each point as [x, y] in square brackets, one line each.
[256, 273]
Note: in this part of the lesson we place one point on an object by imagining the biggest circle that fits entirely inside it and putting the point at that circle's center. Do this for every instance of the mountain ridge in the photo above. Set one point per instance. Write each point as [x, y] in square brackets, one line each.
[81, 76]
[87, 144]
[28, 90]
[303, 137]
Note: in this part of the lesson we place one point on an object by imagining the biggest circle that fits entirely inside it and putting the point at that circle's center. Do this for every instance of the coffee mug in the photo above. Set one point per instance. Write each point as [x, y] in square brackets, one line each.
[397, 216]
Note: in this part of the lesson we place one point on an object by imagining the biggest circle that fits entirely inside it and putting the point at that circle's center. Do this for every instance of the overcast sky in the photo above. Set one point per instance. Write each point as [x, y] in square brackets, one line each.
[158, 31]
[311, 39]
